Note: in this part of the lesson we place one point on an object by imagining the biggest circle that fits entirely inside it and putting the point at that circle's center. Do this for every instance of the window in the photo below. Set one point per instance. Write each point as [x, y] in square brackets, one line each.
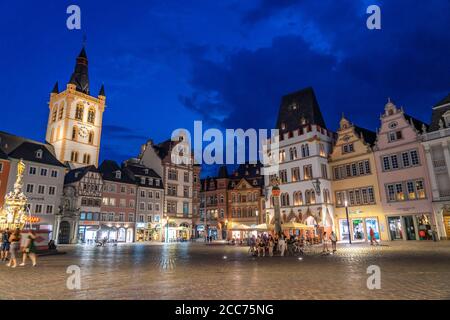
[324, 171]
[307, 172]
[105, 201]
[283, 176]
[347, 148]
[420, 189]
[54, 174]
[386, 164]
[410, 189]
[150, 194]
[172, 175]
[322, 152]
[41, 189]
[399, 195]
[49, 209]
[112, 201]
[185, 208]
[186, 177]
[149, 206]
[61, 112]
[142, 206]
[51, 190]
[157, 194]
[354, 170]
[91, 137]
[394, 136]
[123, 189]
[91, 116]
[351, 197]
[43, 172]
[121, 217]
[186, 192]
[364, 196]
[74, 156]
[79, 112]
[130, 217]
[122, 203]
[367, 166]
[371, 195]
[394, 162]
[142, 193]
[54, 113]
[38, 208]
[111, 216]
[295, 173]
[32, 171]
[157, 207]
[405, 159]
[131, 204]
[30, 188]
[74, 133]
[305, 150]
[298, 198]
[282, 156]
[149, 218]
[172, 190]
[38, 154]
[414, 158]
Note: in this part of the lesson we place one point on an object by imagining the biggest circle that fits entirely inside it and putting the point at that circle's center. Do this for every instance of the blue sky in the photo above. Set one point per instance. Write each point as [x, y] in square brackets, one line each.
[165, 64]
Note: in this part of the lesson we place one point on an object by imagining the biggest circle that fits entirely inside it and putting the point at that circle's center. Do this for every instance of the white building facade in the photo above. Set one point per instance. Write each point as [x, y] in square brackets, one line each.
[304, 173]
[436, 142]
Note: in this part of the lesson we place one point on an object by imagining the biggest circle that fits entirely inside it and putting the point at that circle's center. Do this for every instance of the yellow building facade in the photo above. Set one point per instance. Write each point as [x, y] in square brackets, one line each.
[355, 185]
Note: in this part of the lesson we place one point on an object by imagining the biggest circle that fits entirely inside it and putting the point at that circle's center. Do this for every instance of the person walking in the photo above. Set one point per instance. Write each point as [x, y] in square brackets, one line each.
[333, 239]
[5, 244]
[14, 240]
[29, 250]
[325, 243]
[372, 237]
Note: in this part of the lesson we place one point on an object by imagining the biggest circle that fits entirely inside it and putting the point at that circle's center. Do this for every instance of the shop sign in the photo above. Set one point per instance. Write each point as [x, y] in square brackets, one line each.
[88, 223]
[140, 225]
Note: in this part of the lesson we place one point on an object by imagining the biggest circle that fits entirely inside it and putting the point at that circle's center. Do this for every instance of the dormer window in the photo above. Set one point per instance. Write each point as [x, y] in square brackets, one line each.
[142, 180]
[118, 174]
[255, 182]
[283, 126]
[146, 171]
[39, 154]
[446, 117]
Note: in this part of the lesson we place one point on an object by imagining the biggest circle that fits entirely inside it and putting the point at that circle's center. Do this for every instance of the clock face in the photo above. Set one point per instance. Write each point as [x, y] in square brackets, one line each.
[83, 132]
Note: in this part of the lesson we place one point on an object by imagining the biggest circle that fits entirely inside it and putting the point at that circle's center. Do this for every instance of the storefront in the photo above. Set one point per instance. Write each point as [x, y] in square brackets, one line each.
[148, 232]
[359, 229]
[410, 227]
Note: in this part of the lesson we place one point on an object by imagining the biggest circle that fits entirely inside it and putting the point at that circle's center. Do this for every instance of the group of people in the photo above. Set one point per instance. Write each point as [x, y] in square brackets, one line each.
[288, 245]
[11, 245]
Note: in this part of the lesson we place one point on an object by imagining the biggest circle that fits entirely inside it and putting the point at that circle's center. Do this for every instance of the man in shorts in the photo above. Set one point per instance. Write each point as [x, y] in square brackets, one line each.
[5, 245]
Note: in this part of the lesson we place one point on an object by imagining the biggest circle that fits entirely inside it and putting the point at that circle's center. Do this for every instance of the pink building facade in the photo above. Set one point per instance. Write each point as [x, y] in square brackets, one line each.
[405, 188]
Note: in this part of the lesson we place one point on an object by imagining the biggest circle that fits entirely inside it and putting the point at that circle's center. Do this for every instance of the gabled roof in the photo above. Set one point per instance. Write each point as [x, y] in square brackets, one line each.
[136, 171]
[108, 170]
[297, 106]
[29, 151]
[369, 136]
[416, 122]
[78, 174]
[249, 172]
[438, 111]
[164, 148]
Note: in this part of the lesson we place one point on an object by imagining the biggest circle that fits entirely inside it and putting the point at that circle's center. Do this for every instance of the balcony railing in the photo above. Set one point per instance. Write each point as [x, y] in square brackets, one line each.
[439, 163]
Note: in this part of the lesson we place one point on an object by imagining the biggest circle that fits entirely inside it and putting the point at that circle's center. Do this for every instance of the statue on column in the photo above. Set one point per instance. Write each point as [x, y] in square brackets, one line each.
[275, 182]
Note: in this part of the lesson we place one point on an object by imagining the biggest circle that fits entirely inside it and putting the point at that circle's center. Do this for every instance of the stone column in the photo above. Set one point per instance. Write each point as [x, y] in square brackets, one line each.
[434, 186]
[276, 208]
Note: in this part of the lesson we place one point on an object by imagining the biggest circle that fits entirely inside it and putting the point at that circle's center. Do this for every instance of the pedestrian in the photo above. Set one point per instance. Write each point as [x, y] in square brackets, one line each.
[333, 239]
[262, 247]
[282, 245]
[14, 240]
[271, 245]
[325, 242]
[29, 249]
[372, 237]
[5, 244]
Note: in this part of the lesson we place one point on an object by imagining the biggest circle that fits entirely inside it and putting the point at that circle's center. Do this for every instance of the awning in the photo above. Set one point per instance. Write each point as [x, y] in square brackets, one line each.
[295, 226]
[239, 227]
[264, 227]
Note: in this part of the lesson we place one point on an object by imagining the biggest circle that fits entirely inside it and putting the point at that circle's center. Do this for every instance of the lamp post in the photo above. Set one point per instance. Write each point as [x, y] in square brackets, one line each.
[167, 228]
[348, 222]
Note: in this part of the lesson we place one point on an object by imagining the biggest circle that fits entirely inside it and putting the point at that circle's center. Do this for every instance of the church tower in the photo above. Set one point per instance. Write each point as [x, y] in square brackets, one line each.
[75, 118]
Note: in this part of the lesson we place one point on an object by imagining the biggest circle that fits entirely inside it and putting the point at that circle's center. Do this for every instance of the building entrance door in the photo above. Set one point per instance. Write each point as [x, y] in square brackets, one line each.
[64, 232]
[409, 226]
[358, 229]
[395, 228]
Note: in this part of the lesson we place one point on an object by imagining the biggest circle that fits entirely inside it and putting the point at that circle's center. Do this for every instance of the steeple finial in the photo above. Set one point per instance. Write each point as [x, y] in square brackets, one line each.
[55, 88]
[102, 91]
[80, 77]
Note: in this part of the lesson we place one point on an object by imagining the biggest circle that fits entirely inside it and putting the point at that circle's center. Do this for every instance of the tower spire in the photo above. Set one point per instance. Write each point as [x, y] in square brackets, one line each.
[80, 77]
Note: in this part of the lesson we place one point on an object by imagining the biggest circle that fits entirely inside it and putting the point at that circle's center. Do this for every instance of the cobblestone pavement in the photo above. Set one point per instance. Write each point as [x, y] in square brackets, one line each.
[409, 270]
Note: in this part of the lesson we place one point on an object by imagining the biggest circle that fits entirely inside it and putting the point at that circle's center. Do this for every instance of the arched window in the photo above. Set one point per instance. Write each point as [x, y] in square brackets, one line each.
[74, 133]
[54, 113]
[322, 150]
[61, 111]
[233, 213]
[86, 158]
[313, 197]
[285, 199]
[91, 137]
[239, 212]
[307, 197]
[221, 198]
[79, 112]
[298, 198]
[74, 156]
[91, 115]
[233, 198]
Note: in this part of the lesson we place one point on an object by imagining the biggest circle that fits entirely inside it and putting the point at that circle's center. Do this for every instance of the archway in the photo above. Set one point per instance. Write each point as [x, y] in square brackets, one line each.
[64, 233]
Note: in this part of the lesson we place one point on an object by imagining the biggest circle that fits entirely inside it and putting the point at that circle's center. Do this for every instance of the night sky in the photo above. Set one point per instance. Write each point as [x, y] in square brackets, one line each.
[167, 63]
